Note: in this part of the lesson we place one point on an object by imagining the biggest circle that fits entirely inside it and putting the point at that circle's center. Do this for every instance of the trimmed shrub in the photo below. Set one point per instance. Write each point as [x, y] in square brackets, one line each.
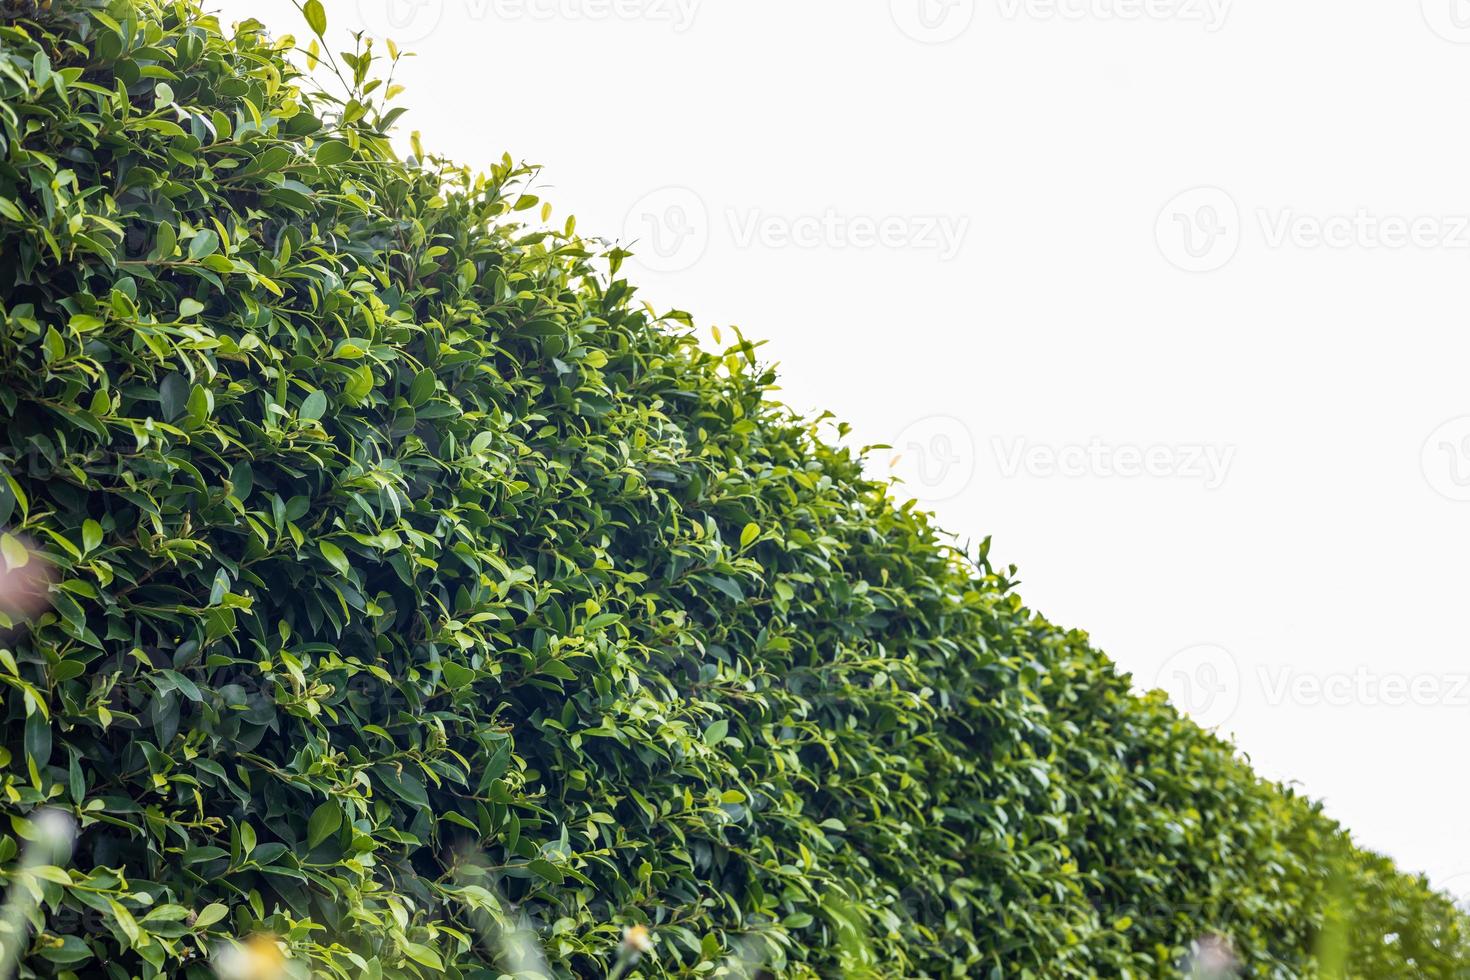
[414, 589]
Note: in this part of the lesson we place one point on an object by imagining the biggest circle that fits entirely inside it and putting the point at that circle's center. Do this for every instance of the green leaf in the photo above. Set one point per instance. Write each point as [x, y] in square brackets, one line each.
[547, 871]
[199, 407]
[359, 383]
[313, 406]
[71, 952]
[165, 913]
[91, 536]
[125, 921]
[422, 388]
[420, 953]
[204, 243]
[456, 676]
[602, 621]
[332, 152]
[55, 875]
[402, 784]
[16, 555]
[335, 557]
[324, 821]
[54, 346]
[190, 307]
[748, 535]
[210, 914]
[165, 242]
[173, 395]
[558, 669]
[183, 685]
[316, 17]
[242, 477]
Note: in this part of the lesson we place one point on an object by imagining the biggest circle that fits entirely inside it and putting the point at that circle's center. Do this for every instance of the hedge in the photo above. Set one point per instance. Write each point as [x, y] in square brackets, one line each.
[421, 603]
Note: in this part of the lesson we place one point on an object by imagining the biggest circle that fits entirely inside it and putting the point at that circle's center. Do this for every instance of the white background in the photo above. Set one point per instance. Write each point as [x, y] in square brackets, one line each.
[1060, 137]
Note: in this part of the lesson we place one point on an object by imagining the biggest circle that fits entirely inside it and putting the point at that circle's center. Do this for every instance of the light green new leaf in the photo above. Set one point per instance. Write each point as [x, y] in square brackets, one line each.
[335, 556]
[316, 17]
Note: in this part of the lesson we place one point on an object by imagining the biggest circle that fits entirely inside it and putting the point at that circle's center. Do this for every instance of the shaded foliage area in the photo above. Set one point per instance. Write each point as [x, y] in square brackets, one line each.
[411, 581]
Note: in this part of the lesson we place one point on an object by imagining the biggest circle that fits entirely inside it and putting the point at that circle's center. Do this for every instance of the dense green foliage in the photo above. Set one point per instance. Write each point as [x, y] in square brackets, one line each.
[410, 581]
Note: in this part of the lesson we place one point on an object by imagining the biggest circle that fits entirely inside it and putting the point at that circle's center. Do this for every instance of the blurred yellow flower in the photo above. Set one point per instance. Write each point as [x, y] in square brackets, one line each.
[258, 958]
[637, 940]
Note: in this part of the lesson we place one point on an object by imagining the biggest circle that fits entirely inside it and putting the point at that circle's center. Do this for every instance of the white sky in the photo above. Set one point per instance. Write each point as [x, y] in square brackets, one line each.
[965, 225]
